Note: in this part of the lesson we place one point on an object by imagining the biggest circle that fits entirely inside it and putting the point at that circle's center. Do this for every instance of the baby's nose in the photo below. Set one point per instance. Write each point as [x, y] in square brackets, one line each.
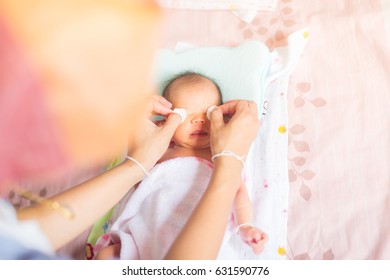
[198, 120]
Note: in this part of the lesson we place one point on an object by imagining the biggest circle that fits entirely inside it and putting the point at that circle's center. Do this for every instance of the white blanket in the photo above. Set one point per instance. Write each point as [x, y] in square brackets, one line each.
[157, 211]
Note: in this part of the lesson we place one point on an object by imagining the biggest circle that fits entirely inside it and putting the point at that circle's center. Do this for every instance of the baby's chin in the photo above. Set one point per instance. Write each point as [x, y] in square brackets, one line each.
[193, 146]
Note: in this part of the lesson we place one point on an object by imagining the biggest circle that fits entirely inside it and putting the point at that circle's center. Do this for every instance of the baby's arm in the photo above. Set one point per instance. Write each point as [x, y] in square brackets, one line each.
[243, 216]
[243, 212]
[110, 252]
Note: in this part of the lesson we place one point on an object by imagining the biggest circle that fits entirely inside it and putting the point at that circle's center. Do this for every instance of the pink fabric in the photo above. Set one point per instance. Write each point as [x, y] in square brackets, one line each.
[338, 119]
[340, 176]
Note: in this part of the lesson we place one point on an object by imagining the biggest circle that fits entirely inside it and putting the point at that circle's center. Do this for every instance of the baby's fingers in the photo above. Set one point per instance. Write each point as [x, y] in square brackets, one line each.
[253, 235]
[258, 248]
[264, 237]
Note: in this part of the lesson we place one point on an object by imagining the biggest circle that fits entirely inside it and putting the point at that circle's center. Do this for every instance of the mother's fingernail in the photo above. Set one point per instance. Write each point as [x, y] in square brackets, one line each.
[209, 110]
[181, 112]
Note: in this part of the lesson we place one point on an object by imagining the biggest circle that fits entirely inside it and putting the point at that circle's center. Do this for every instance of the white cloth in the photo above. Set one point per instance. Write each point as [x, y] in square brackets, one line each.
[266, 165]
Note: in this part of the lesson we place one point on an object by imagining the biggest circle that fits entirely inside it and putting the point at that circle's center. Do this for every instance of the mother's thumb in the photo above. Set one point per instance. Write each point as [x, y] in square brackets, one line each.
[216, 117]
[171, 124]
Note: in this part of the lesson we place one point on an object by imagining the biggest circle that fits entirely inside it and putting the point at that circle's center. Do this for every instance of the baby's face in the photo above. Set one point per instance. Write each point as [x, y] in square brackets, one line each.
[195, 98]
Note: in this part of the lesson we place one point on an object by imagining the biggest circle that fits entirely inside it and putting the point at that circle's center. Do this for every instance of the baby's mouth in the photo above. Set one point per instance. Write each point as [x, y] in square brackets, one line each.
[199, 133]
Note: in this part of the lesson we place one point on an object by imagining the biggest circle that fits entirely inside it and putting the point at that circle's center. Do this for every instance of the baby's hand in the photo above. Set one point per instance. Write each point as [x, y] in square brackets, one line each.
[254, 237]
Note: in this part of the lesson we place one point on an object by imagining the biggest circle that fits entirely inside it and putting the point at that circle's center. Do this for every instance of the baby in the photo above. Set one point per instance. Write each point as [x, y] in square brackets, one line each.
[196, 93]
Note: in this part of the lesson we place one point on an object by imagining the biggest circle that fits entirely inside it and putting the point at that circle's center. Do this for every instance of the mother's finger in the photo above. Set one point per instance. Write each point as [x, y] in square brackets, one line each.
[248, 107]
[232, 108]
[229, 107]
[161, 105]
[216, 118]
[170, 125]
[162, 100]
[253, 106]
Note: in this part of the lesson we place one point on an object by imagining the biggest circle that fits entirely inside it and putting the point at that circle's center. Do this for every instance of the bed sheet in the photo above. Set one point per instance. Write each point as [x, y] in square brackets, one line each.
[339, 123]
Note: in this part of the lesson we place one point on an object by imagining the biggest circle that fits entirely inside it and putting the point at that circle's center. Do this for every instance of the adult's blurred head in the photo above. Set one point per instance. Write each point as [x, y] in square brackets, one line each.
[73, 81]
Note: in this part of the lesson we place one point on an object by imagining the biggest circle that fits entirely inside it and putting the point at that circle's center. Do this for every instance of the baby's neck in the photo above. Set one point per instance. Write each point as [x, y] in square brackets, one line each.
[178, 151]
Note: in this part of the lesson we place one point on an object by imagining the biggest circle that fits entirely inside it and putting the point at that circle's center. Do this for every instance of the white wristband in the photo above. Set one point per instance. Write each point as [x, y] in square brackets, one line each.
[228, 154]
[139, 164]
[237, 228]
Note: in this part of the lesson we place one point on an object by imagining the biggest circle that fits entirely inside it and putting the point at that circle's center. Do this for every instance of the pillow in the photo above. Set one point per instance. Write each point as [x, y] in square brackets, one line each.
[239, 71]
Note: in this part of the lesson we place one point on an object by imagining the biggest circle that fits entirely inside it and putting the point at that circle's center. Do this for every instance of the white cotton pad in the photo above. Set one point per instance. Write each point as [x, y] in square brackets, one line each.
[239, 71]
[209, 110]
[181, 112]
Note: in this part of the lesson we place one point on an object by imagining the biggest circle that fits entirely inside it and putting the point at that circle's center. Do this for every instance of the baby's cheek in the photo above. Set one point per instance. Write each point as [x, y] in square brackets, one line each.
[179, 133]
[207, 125]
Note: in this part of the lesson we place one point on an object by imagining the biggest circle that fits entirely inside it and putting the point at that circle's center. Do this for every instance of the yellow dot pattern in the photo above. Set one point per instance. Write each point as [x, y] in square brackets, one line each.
[282, 129]
[282, 251]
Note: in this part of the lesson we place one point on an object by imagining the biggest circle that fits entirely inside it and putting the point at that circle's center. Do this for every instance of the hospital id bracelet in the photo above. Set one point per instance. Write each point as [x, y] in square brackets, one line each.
[228, 153]
[139, 164]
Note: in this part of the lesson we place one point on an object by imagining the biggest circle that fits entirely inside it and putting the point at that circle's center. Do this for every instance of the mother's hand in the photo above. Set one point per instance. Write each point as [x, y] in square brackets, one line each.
[151, 141]
[203, 233]
[238, 133]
